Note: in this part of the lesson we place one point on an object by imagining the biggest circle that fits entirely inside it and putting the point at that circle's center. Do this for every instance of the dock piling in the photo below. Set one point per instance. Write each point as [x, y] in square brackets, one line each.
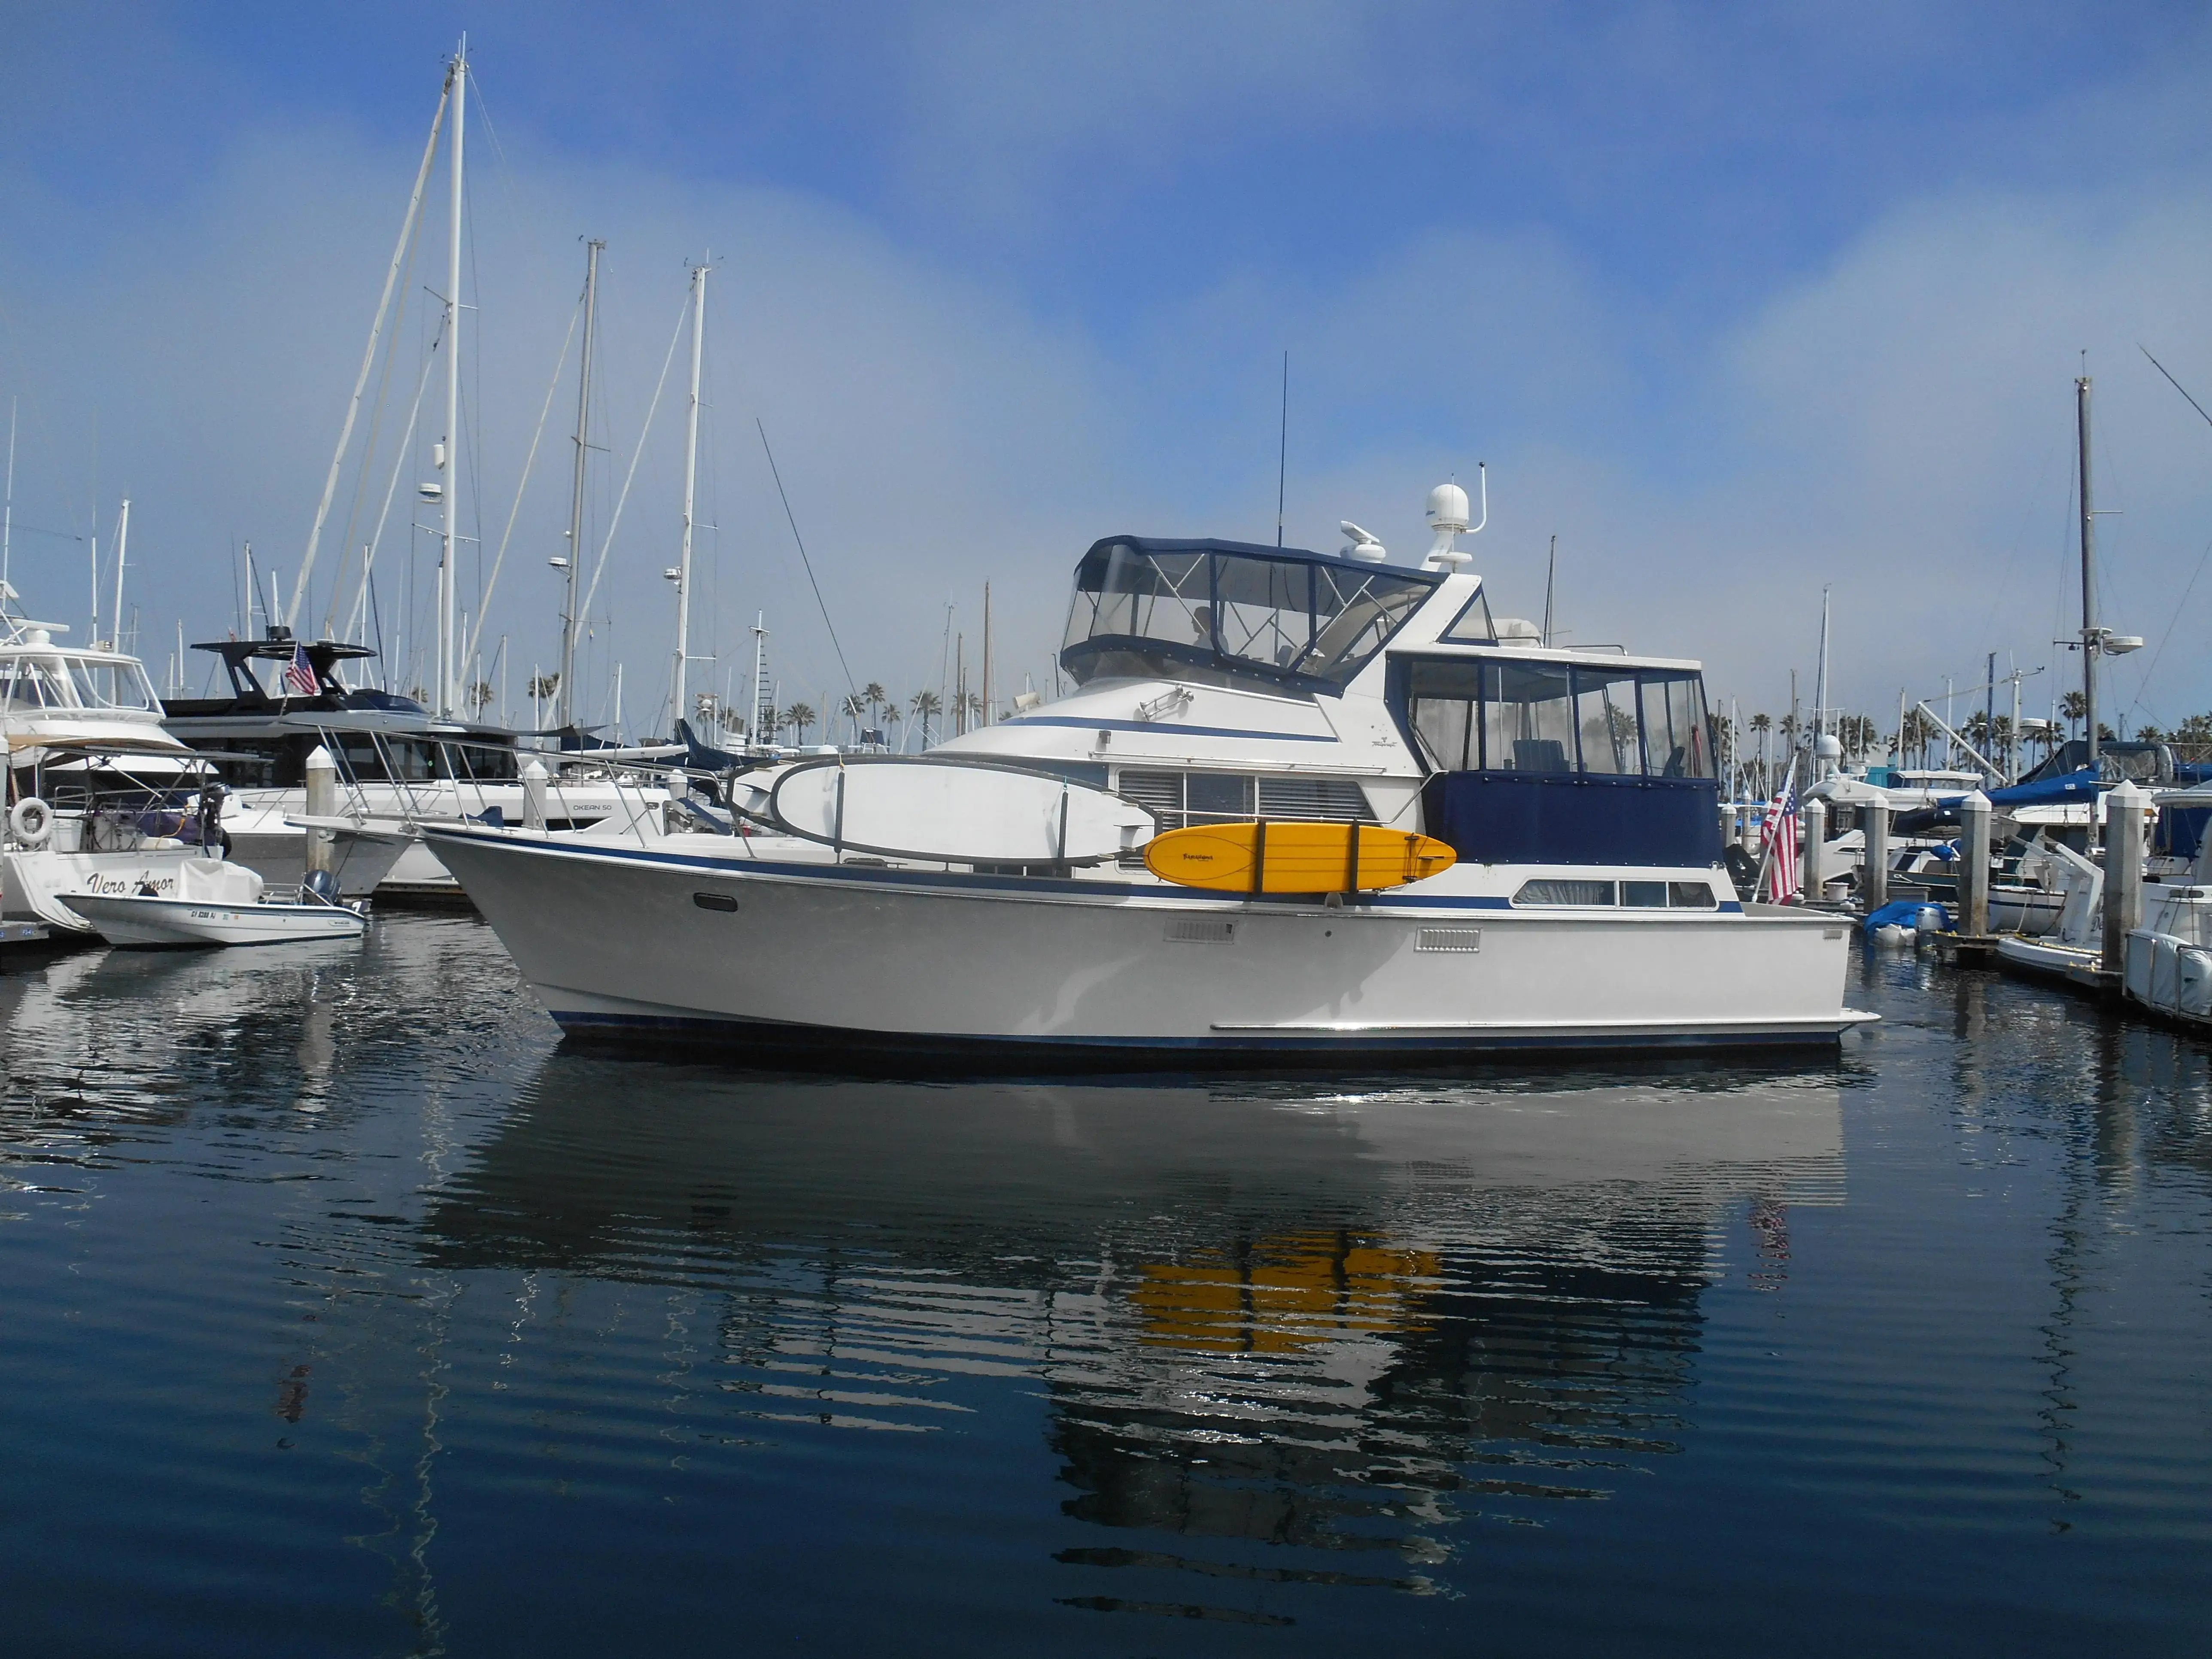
[2123, 871]
[322, 803]
[1873, 869]
[1816, 848]
[1974, 866]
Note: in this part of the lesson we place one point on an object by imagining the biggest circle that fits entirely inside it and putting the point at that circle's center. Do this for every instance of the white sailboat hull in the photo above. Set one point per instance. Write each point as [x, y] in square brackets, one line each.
[135, 920]
[676, 940]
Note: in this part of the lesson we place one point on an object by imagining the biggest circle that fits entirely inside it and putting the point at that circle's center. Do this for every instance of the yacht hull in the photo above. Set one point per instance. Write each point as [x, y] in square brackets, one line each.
[133, 919]
[784, 960]
[39, 882]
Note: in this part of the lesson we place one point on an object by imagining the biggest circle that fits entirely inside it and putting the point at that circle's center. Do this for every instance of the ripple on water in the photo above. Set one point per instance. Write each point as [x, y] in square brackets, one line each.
[339, 1293]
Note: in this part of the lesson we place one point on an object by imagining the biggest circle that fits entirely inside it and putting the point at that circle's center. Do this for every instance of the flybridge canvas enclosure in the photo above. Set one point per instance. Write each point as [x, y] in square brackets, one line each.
[32, 681]
[1489, 714]
[1553, 763]
[1228, 612]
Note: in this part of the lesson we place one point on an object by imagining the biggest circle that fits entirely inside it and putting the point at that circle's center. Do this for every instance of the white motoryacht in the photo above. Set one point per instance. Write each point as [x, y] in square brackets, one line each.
[93, 802]
[1217, 683]
[398, 764]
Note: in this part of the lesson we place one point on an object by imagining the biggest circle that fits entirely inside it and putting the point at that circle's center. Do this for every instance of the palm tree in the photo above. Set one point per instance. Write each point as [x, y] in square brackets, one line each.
[853, 709]
[798, 717]
[1762, 724]
[2075, 707]
[876, 697]
[926, 705]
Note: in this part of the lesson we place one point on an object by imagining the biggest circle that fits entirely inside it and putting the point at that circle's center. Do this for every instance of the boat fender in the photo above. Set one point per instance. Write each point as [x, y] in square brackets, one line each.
[32, 820]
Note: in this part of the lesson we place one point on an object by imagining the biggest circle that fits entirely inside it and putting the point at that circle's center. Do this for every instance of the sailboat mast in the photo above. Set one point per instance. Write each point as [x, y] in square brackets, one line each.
[2088, 573]
[448, 567]
[760, 676]
[690, 484]
[7, 512]
[567, 694]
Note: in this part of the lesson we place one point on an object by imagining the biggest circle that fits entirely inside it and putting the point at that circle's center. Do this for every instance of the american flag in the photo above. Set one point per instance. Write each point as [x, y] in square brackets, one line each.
[300, 673]
[1780, 833]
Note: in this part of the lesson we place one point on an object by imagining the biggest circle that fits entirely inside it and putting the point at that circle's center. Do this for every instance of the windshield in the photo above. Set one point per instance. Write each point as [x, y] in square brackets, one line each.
[1217, 613]
[27, 682]
[33, 683]
[112, 684]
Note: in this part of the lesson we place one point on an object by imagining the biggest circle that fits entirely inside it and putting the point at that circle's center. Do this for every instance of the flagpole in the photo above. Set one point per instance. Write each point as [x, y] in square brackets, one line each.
[1766, 835]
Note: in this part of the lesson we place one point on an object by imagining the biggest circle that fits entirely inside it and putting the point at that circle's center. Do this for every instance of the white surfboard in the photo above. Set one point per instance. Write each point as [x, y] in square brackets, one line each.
[955, 812]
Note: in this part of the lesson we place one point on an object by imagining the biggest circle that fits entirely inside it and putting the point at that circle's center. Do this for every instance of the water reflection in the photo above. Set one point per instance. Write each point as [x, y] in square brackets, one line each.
[1343, 1321]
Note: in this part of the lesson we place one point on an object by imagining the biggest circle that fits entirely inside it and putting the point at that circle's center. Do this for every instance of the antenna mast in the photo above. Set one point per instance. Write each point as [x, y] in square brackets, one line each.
[1551, 570]
[565, 705]
[448, 567]
[122, 544]
[1283, 448]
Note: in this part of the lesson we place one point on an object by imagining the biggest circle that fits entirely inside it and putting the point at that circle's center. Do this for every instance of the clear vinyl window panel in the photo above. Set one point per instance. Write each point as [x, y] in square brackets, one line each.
[1224, 616]
[1558, 719]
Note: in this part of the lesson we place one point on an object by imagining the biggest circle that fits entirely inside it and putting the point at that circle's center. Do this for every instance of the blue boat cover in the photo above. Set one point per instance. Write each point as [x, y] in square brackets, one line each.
[1905, 913]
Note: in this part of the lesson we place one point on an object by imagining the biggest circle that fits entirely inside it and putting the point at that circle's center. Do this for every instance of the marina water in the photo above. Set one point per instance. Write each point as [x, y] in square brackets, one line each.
[346, 1312]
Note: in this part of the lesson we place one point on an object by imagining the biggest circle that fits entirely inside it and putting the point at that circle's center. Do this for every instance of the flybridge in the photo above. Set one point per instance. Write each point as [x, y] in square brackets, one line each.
[1218, 612]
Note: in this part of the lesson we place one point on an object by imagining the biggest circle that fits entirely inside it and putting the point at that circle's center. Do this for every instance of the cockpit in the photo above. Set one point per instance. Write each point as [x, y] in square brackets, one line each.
[36, 682]
[1227, 613]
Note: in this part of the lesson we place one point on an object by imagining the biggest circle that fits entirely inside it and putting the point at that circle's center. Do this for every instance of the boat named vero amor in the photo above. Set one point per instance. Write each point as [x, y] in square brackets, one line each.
[993, 902]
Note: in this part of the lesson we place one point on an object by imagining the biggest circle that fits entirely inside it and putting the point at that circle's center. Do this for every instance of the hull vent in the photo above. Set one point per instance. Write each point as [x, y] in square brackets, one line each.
[1201, 933]
[1449, 938]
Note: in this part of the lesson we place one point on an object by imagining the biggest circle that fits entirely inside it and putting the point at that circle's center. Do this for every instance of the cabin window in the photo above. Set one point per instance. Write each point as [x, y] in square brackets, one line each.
[1555, 718]
[1548, 893]
[1527, 722]
[112, 684]
[1605, 721]
[1573, 893]
[1176, 799]
[27, 682]
[1675, 735]
[1473, 626]
[1210, 796]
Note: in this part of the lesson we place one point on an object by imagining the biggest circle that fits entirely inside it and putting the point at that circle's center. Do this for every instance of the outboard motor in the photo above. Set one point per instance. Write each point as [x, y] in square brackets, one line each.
[321, 887]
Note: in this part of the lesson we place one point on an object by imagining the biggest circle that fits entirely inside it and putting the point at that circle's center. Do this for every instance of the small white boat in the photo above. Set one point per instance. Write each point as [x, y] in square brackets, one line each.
[216, 904]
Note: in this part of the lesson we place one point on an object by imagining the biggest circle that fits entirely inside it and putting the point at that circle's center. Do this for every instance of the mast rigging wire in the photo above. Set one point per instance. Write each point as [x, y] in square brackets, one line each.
[651, 410]
[484, 599]
[850, 685]
[368, 360]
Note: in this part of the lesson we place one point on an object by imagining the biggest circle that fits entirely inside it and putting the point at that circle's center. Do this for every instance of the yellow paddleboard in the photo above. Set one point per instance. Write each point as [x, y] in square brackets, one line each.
[1294, 858]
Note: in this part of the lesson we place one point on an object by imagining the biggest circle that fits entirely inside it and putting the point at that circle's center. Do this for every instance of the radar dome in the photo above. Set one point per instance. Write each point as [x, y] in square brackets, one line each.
[1448, 507]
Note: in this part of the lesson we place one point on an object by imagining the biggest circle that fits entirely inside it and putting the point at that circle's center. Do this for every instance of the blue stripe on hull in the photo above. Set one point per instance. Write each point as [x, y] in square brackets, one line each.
[840, 1049]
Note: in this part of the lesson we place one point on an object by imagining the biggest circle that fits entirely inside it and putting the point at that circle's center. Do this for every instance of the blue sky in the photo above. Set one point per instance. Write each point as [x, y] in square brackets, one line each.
[1739, 301]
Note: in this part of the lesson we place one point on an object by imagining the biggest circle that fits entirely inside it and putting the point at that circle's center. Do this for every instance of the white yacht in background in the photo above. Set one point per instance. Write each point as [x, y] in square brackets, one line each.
[82, 725]
[1225, 685]
[398, 764]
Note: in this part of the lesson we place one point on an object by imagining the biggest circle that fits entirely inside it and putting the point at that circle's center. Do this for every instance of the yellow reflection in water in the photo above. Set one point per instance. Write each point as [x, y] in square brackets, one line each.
[1283, 1295]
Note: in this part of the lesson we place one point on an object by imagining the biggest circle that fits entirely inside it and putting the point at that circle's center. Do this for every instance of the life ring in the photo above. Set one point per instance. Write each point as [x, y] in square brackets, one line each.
[32, 820]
